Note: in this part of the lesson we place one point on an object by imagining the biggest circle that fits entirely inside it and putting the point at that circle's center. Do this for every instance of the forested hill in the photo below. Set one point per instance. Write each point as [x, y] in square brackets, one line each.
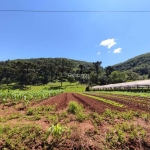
[139, 64]
[48, 61]
[40, 70]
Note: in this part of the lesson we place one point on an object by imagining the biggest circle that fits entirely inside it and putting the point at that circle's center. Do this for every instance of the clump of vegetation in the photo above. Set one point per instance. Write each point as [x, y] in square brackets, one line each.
[123, 134]
[57, 131]
[22, 137]
[87, 88]
[77, 110]
[74, 107]
[96, 118]
[146, 117]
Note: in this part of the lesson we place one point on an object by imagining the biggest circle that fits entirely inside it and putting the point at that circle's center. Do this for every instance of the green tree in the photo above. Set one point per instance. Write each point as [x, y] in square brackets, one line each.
[118, 77]
[97, 69]
[71, 79]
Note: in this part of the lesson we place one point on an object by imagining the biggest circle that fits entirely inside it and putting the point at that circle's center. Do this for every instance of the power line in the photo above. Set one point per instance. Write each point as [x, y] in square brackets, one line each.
[75, 11]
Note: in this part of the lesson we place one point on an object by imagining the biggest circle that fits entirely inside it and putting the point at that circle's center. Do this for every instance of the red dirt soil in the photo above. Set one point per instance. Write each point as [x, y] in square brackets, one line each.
[130, 104]
[63, 99]
[91, 104]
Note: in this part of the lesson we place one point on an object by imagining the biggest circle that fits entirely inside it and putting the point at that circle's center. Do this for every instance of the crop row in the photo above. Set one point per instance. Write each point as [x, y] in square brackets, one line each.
[104, 100]
[18, 96]
[136, 102]
[129, 98]
[139, 94]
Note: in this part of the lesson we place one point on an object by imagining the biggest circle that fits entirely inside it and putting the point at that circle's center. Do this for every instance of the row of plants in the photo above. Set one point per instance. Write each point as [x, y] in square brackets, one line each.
[138, 102]
[26, 96]
[127, 98]
[142, 90]
[138, 94]
[103, 100]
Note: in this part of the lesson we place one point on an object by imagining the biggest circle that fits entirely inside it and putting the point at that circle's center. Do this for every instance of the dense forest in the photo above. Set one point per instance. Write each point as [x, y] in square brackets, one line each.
[41, 70]
[38, 71]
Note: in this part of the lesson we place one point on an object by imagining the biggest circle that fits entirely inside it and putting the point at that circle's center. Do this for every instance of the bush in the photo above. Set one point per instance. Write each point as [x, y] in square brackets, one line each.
[87, 88]
[74, 107]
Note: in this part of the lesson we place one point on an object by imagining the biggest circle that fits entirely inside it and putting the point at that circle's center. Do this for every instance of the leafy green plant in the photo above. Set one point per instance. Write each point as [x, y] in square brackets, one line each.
[127, 115]
[80, 116]
[57, 131]
[146, 117]
[30, 111]
[74, 107]
[96, 118]
[26, 96]
[109, 113]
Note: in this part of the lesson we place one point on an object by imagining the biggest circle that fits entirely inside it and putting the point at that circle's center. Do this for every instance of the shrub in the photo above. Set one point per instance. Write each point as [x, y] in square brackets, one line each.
[87, 88]
[74, 107]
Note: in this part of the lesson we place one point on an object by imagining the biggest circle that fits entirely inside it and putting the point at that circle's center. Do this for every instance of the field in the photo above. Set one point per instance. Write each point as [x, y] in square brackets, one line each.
[74, 120]
[66, 87]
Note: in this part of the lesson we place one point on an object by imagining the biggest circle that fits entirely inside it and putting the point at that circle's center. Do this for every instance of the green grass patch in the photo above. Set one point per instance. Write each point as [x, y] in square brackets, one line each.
[66, 87]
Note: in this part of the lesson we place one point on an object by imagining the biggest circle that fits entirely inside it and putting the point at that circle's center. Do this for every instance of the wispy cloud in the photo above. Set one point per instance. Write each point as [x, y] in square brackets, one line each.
[109, 51]
[98, 53]
[118, 50]
[108, 43]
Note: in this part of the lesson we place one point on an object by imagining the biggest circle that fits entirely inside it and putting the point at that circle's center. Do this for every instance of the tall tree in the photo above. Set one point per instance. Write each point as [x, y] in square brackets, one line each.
[97, 69]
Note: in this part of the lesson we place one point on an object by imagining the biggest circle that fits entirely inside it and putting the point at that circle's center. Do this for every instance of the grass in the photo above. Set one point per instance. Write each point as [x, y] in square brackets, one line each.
[74, 87]
[66, 87]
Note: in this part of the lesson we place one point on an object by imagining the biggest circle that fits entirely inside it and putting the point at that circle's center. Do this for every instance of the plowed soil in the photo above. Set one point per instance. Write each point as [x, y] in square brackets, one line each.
[63, 99]
[136, 106]
[87, 134]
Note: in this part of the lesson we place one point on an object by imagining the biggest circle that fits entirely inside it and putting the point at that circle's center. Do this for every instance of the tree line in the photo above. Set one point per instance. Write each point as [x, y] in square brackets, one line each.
[44, 70]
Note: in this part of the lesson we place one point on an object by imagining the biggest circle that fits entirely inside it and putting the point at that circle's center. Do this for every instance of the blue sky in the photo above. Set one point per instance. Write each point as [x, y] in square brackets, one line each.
[107, 37]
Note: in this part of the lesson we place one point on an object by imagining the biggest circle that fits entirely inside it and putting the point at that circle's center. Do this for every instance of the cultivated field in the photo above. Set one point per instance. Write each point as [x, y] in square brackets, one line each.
[95, 121]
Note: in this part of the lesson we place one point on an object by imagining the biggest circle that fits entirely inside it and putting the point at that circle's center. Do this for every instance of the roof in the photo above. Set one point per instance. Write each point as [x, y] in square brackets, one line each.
[139, 83]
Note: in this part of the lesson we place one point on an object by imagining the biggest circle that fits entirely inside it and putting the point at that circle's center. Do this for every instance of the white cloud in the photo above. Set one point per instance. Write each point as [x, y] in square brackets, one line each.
[98, 53]
[109, 51]
[108, 43]
[118, 50]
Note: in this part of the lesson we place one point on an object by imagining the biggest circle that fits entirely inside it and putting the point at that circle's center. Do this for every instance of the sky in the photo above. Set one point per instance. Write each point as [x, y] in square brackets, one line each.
[110, 37]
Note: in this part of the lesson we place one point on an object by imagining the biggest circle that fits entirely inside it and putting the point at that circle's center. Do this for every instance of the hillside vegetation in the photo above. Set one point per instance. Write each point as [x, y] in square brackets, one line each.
[139, 64]
[39, 71]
